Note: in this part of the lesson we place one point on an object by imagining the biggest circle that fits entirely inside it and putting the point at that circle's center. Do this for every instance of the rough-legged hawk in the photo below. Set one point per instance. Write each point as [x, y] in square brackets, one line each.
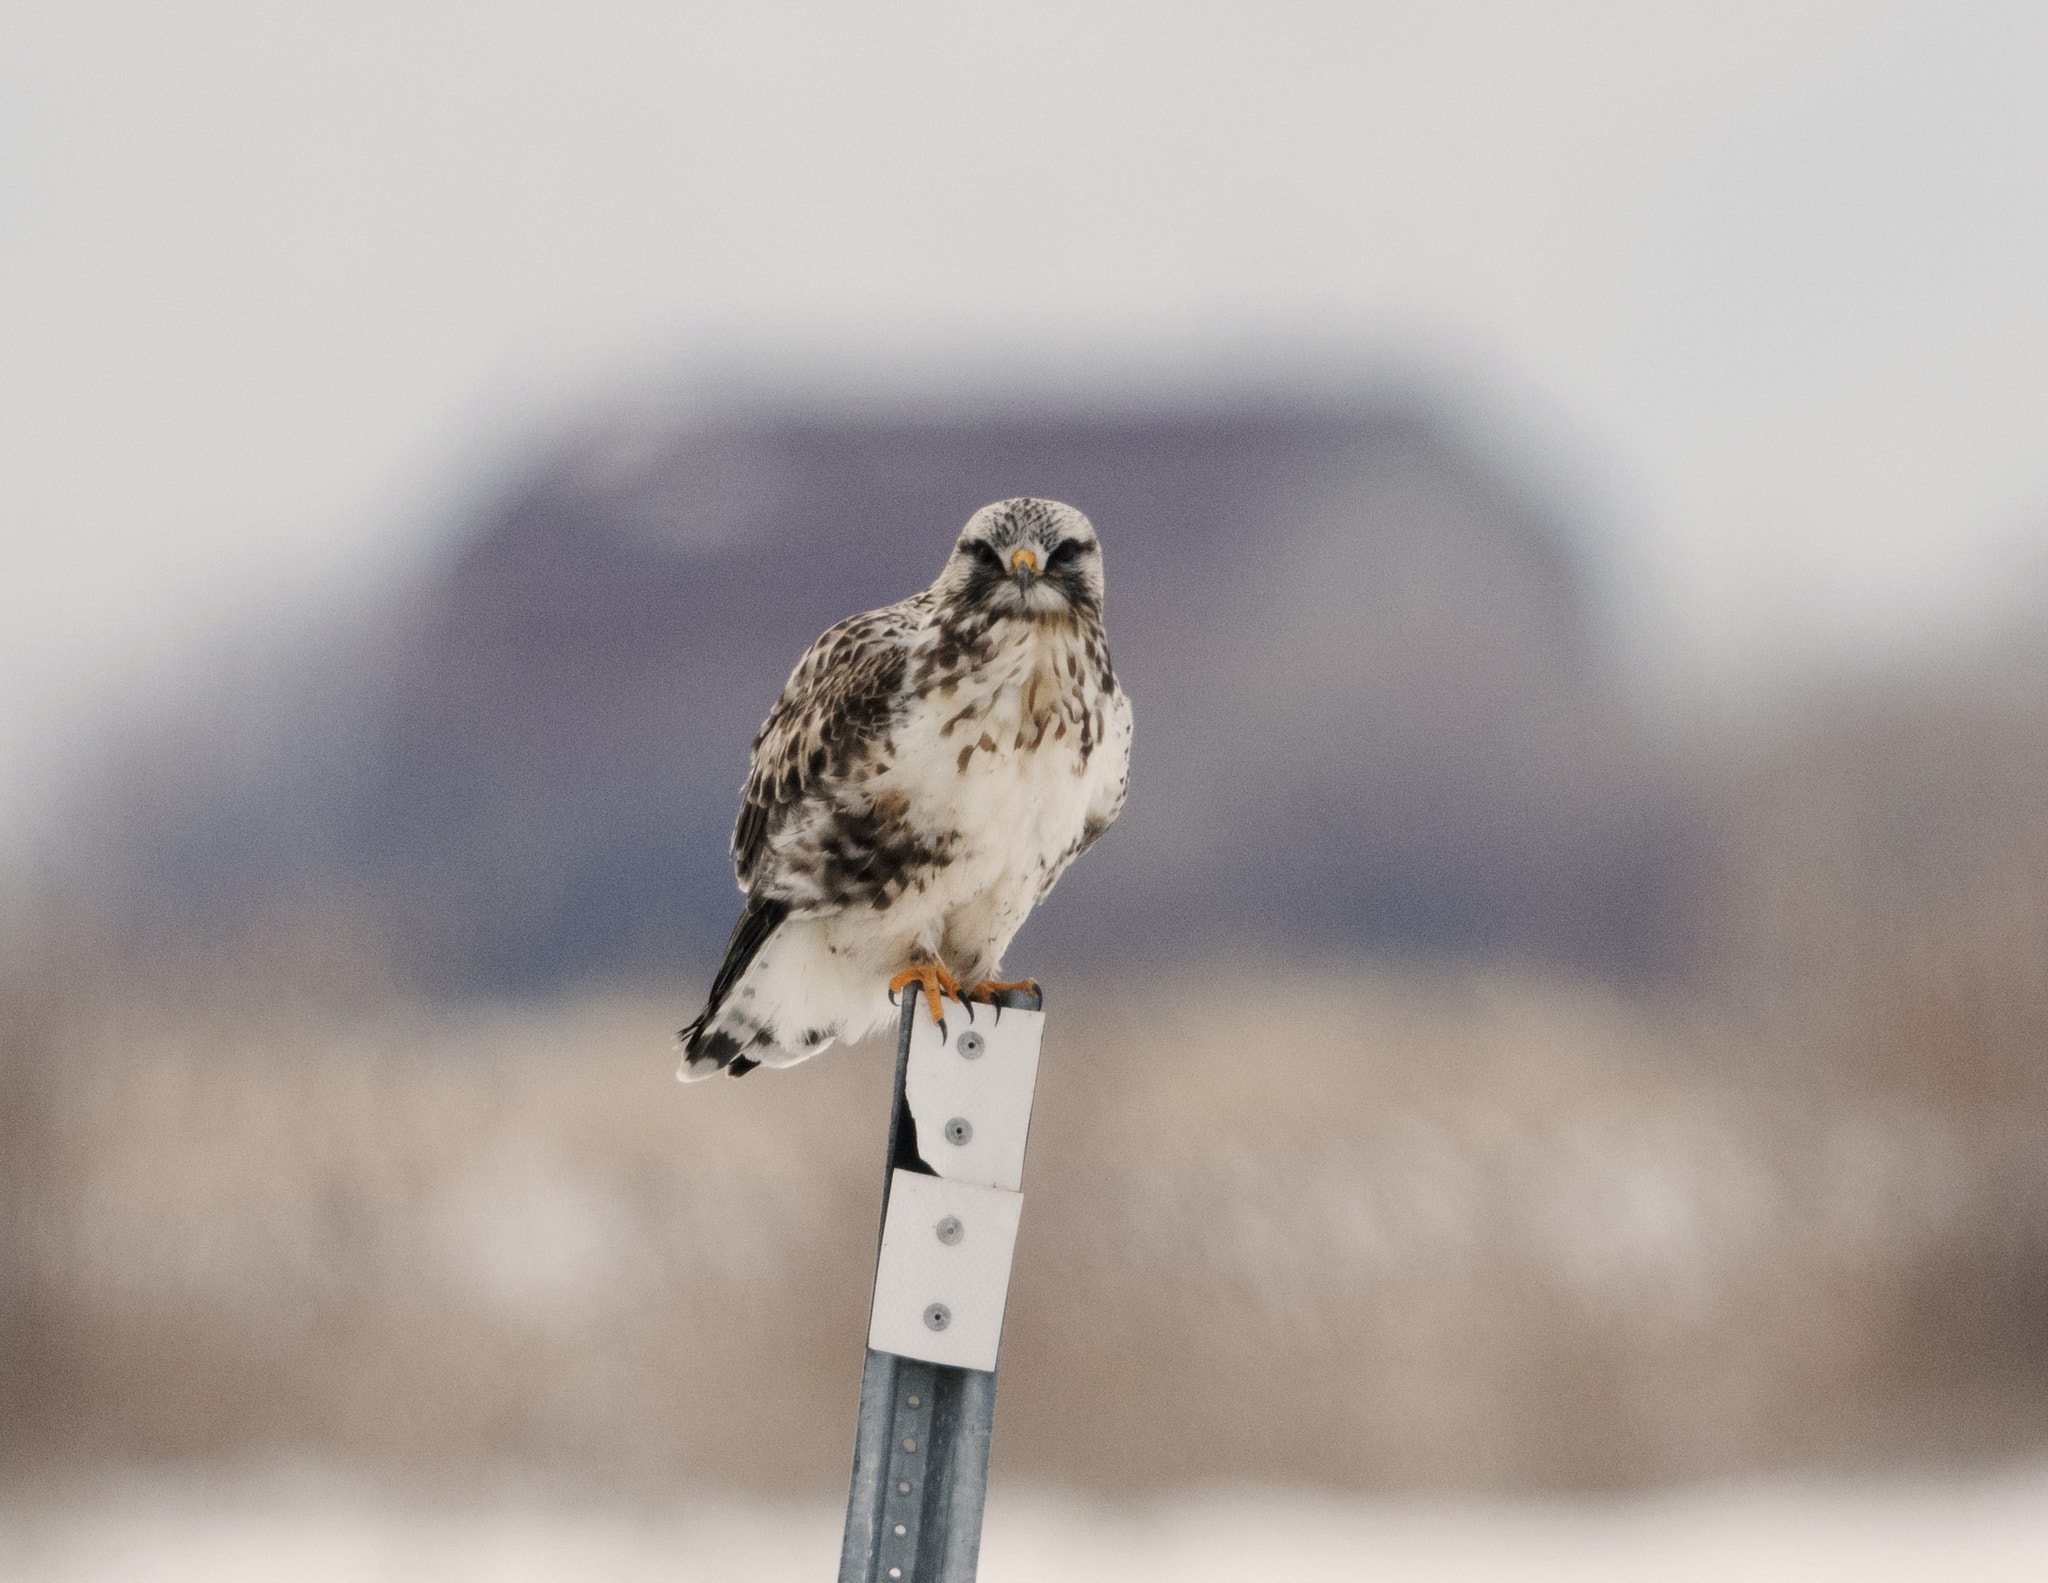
[927, 775]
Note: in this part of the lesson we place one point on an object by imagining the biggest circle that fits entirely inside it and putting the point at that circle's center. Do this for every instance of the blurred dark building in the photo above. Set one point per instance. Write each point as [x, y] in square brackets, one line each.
[1373, 703]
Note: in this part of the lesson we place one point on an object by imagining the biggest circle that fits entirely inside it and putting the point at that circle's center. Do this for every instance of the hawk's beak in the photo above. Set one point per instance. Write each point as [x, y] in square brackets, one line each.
[1024, 567]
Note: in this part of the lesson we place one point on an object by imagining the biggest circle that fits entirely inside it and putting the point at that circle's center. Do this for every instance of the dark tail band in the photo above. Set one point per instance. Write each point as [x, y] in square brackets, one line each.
[761, 917]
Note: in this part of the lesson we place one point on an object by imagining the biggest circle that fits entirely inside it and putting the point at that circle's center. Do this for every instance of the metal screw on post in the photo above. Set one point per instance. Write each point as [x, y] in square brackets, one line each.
[920, 1464]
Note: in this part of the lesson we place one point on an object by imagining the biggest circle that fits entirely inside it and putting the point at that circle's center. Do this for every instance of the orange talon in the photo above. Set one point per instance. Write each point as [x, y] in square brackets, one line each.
[934, 980]
[988, 989]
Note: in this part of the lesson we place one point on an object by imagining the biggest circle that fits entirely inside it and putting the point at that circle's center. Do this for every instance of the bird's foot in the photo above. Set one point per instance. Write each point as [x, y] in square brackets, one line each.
[992, 990]
[934, 980]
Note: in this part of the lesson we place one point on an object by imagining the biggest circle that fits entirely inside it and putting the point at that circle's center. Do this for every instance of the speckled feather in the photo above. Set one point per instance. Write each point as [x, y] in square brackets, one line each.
[929, 772]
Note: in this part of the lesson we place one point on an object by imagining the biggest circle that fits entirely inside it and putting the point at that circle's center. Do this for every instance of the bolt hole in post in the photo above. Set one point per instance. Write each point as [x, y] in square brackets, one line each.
[959, 1130]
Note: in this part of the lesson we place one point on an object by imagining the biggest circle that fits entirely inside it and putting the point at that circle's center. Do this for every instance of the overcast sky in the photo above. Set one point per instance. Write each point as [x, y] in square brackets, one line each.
[1766, 283]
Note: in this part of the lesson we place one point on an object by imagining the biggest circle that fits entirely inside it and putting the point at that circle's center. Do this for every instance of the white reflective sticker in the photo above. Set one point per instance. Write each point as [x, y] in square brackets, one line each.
[987, 1088]
[926, 1268]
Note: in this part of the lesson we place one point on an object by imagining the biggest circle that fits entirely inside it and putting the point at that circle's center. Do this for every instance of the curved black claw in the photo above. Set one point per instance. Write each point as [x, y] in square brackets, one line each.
[942, 1030]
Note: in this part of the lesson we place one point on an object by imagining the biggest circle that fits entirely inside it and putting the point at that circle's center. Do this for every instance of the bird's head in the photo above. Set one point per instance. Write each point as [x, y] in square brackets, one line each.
[1032, 559]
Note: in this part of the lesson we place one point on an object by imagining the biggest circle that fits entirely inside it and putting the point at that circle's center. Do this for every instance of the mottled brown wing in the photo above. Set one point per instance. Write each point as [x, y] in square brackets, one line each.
[837, 705]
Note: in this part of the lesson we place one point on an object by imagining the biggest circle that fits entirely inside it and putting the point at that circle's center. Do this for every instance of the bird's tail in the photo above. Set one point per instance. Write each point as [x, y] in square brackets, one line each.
[707, 1048]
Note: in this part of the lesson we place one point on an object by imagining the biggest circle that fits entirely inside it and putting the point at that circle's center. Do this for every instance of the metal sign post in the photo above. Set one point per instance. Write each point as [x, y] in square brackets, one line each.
[951, 1198]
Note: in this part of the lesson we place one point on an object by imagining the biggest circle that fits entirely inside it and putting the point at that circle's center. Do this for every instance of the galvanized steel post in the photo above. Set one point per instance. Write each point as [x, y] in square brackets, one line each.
[928, 1393]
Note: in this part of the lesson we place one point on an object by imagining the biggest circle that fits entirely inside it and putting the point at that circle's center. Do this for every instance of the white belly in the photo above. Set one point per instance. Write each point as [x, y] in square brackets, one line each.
[1010, 779]
[1018, 801]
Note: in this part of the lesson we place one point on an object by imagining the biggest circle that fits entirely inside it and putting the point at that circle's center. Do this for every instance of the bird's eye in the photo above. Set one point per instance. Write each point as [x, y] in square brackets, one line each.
[1069, 551]
[985, 553]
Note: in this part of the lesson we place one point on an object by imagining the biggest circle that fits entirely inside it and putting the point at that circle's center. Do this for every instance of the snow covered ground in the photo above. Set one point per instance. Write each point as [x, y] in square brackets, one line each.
[309, 1531]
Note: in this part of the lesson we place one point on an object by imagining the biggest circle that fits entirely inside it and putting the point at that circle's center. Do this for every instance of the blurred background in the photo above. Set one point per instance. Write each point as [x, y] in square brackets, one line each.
[1549, 1069]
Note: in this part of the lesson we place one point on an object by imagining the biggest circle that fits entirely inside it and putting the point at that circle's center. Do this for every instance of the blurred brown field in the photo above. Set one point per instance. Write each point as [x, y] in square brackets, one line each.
[1330, 1221]
[1771, 1194]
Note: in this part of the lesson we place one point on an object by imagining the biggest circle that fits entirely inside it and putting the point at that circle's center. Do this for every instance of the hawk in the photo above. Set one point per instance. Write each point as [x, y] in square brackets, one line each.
[925, 778]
